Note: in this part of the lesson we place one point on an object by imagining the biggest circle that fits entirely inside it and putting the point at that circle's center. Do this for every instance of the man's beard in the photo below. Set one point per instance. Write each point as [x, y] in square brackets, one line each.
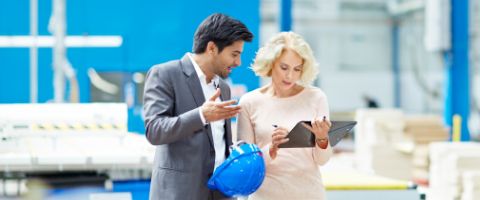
[223, 73]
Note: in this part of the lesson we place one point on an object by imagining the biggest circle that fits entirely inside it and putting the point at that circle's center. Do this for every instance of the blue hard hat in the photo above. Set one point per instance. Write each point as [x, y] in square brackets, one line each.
[241, 173]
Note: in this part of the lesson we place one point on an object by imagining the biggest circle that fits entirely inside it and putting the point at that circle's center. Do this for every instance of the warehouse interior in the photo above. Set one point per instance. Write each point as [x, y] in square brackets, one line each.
[72, 78]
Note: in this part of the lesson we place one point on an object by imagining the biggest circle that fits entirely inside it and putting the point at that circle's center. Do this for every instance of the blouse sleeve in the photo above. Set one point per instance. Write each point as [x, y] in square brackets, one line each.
[321, 156]
[245, 130]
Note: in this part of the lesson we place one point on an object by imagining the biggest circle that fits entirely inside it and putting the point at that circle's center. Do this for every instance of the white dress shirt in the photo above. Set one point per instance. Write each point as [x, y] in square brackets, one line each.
[217, 127]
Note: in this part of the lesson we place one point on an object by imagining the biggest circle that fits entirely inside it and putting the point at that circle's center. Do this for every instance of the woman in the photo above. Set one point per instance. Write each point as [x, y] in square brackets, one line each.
[268, 113]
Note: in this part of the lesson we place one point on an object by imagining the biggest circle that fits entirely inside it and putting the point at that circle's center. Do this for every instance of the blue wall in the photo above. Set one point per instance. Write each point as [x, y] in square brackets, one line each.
[153, 31]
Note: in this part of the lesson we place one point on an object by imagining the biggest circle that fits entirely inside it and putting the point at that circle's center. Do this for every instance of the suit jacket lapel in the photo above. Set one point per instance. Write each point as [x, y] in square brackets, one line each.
[192, 80]
[195, 88]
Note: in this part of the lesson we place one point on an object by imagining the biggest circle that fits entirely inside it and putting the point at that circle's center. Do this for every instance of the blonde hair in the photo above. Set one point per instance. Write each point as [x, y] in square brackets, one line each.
[266, 56]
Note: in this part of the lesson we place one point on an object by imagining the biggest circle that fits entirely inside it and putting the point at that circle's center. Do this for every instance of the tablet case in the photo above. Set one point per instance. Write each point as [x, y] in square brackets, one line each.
[302, 137]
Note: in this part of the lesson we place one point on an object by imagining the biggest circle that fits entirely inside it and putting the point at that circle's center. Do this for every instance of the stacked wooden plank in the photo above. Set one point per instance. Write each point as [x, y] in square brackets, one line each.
[422, 130]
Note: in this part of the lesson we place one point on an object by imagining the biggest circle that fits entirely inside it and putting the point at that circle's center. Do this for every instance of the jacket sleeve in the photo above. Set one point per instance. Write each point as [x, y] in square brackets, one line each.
[161, 124]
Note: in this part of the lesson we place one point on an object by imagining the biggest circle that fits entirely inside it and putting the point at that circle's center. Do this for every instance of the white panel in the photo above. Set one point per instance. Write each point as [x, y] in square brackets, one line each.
[111, 196]
[345, 90]
[437, 25]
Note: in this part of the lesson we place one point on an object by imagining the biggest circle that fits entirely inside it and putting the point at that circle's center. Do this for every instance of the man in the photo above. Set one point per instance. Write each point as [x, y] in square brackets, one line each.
[188, 109]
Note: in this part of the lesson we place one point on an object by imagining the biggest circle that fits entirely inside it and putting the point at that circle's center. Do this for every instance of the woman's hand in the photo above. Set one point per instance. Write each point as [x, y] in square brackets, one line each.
[278, 137]
[320, 129]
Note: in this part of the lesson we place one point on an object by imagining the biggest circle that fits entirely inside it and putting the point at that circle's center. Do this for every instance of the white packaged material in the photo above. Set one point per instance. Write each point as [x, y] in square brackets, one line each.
[450, 167]
[471, 185]
[376, 135]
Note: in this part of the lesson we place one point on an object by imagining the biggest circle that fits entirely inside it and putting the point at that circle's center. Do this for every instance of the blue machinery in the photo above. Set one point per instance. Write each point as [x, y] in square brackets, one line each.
[152, 32]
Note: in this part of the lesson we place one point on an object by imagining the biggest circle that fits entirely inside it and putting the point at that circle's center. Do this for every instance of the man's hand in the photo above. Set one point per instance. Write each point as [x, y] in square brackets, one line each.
[214, 111]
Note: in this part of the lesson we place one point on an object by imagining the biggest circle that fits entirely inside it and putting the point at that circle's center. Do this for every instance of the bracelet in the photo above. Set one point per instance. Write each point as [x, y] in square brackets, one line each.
[322, 140]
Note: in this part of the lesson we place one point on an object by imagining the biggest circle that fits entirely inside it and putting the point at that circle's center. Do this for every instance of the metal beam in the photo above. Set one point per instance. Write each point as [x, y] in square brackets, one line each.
[396, 64]
[59, 49]
[33, 52]
[286, 15]
[43, 41]
[457, 100]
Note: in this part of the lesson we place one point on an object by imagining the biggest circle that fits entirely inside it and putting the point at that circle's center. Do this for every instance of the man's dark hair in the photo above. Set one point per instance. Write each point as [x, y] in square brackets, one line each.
[220, 29]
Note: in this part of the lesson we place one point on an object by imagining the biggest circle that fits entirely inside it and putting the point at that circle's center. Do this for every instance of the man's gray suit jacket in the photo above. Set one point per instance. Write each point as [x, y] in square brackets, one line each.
[185, 155]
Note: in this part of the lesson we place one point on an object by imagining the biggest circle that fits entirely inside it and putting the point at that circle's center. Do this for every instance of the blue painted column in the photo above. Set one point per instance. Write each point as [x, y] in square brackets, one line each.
[286, 15]
[457, 100]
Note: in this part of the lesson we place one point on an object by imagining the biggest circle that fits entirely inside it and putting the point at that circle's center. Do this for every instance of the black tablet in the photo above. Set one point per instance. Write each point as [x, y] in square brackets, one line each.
[302, 137]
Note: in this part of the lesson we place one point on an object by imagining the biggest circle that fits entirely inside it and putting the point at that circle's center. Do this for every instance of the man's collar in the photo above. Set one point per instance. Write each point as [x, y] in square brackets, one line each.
[200, 73]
